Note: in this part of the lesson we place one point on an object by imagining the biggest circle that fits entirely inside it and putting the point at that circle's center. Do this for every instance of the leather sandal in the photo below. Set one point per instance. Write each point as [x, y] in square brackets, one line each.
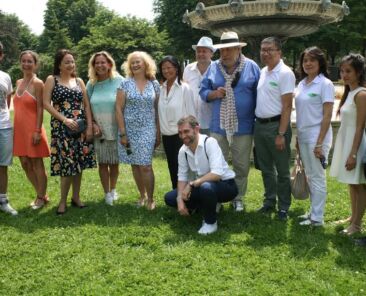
[151, 205]
[351, 230]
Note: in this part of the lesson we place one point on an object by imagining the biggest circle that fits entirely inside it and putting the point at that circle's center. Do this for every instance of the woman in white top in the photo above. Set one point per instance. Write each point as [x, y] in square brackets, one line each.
[314, 99]
[350, 144]
[176, 101]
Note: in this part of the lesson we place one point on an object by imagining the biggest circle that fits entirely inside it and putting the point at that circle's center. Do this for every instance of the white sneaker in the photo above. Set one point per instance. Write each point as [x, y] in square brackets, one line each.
[219, 206]
[238, 206]
[6, 207]
[305, 216]
[109, 199]
[311, 222]
[114, 194]
[208, 228]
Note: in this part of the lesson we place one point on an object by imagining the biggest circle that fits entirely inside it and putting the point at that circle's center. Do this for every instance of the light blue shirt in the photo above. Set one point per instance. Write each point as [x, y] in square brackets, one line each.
[245, 94]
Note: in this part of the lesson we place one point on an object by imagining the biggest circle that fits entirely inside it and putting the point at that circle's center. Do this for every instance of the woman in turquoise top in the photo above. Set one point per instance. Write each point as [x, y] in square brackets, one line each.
[102, 88]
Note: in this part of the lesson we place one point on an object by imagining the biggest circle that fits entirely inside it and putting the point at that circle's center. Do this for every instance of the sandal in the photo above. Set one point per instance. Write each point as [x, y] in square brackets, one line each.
[351, 230]
[141, 202]
[342, 221]
[38, 203]
[151, 205]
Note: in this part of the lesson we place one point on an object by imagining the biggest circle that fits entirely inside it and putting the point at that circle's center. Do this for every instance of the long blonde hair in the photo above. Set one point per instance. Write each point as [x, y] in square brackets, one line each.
[150, 66]
[91, 69]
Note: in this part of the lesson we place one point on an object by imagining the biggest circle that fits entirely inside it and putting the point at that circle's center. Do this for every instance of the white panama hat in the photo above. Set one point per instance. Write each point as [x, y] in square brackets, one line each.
[205, 42]
[229, 39]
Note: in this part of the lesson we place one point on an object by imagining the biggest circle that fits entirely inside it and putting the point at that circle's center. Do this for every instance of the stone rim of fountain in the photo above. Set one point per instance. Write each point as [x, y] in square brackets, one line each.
[265, 17]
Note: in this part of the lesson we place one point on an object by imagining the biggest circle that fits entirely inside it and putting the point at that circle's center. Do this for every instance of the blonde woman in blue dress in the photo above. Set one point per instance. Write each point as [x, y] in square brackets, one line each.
[138, 122]
[102, 90]
[350, 144]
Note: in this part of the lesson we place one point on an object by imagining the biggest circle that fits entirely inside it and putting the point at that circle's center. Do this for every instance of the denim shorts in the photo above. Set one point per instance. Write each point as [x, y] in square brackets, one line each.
[6, 146]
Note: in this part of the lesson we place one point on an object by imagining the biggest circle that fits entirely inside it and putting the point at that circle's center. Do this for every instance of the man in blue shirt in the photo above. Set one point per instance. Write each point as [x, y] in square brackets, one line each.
[230, 86]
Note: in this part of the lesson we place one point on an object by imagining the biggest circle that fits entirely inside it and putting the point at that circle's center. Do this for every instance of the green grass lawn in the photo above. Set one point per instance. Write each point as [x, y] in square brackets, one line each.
[123, 250]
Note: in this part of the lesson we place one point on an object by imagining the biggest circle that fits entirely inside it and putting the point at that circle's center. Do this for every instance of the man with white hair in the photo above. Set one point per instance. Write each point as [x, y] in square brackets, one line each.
[193, 75]
[230, 86]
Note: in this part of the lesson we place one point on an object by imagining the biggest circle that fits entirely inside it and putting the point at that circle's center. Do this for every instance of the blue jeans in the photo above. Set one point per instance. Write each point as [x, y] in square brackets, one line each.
[206, 197]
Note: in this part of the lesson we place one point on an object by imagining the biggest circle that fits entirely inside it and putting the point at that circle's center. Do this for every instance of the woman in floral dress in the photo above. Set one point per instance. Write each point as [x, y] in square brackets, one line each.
[70, 155]
[138, 123]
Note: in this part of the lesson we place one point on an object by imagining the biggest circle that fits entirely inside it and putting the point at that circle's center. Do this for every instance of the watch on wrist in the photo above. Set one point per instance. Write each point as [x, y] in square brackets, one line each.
[354, 156]
[281, 134]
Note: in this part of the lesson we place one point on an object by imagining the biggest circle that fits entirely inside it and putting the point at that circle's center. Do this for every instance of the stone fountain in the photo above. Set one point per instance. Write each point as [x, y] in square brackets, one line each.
[255, 20]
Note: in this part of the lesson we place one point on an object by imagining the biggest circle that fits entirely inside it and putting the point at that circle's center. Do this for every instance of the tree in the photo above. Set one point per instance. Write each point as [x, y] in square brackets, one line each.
[65, 23]
[16, 37]
[182, 36]
[120, 36]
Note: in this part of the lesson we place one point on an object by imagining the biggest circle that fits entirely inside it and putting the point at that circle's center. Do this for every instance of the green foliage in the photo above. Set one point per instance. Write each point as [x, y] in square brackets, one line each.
[16, 37]
[182, 36]
[120, 36]
[65, 23]
[123, 250]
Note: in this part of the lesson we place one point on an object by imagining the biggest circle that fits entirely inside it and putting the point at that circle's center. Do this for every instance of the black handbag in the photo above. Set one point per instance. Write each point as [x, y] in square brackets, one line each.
[81, 128]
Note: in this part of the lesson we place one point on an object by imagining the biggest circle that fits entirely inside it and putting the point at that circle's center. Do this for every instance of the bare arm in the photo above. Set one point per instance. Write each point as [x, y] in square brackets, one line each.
[286, 100]
[38, 90]
[120, 106]
[47, 93]
[327, 116]
[88, 114]
[8, 100]
[360, 101]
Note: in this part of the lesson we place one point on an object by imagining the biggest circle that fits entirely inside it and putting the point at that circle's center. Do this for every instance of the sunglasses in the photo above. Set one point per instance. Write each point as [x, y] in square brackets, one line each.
[236, 80]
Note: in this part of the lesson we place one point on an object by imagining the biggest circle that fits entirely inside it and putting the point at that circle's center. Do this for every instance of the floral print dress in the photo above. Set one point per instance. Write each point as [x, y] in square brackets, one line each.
[69, 155]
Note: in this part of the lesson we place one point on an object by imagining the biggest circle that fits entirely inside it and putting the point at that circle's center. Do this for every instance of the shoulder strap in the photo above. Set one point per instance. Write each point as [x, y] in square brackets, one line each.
[204, 147]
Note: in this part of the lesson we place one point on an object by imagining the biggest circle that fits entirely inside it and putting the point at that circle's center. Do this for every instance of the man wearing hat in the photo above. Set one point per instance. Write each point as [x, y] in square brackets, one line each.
[272, 133]
[193, 74]
[230, 86]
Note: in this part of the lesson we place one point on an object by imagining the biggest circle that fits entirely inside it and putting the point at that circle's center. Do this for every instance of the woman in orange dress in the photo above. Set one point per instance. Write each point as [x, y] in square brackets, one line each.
[30, 139]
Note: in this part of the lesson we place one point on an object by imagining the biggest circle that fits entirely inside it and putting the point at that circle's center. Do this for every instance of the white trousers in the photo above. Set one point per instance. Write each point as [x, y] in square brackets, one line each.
[317, 179]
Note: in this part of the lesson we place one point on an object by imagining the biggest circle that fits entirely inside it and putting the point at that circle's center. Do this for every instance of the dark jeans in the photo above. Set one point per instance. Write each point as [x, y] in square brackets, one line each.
[172, 145]
[206, 197]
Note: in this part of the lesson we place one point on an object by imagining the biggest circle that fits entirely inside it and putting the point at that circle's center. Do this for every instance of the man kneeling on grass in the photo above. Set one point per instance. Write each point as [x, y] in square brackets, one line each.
[204, 177]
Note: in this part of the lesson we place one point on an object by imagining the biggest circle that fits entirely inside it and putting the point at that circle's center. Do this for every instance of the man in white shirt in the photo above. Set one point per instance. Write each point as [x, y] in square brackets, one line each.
[272, 131]
[6, 137]
[193, 75]
[204, 177]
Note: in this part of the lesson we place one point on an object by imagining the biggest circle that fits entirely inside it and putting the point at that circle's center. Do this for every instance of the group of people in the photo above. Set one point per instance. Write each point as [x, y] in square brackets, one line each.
[209, 113]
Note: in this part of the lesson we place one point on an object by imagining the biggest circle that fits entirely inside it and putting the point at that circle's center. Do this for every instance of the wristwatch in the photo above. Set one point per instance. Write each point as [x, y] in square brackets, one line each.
[354, 156]
[281, 134]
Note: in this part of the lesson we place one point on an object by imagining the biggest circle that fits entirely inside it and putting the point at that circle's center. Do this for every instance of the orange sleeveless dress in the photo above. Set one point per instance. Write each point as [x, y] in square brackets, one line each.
[25, 121]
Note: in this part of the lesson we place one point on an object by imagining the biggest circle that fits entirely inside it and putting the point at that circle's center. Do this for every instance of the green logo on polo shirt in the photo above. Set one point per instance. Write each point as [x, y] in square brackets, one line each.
[272, 83]
[312, 95]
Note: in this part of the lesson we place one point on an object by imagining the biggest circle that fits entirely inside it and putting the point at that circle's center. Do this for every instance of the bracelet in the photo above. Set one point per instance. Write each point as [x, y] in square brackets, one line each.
[63, 122]
[281, 134]
[318, 146]
[354, 156]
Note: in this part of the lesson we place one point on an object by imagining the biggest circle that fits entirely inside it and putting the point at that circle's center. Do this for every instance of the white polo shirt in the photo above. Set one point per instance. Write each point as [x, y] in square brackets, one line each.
[271, 86]
[309, 100]
[200, 163]
[173, 106]
[6, 89]
[193, 77]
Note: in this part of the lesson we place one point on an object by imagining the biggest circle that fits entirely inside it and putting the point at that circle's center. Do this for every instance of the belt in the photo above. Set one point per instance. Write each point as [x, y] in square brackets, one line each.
[270, 119]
